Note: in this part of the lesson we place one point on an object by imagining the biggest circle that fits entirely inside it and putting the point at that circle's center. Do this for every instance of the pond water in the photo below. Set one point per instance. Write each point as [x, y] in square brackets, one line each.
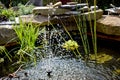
[66, 67]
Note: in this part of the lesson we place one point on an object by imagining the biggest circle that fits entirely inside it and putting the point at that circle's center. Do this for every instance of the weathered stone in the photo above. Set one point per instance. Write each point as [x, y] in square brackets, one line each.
[49, 10]
[43, 20]
[38, 19]
[109, 25]
[90, 15]
[7, 34]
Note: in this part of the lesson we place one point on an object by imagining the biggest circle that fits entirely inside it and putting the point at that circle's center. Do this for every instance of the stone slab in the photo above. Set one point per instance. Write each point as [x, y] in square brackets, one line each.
[109, 25]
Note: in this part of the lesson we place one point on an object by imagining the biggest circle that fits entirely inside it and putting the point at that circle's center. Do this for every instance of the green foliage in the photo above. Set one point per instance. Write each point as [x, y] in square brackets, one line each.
[70, 45]
[27, 35]
[10, 3]
[1, 60]
[3, 51]
[9, 13]
[24, 10]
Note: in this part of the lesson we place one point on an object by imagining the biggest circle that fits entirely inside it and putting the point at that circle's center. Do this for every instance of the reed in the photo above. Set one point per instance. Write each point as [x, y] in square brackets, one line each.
[93, 28]
[82, 27]
[95, 35]
[81, 23]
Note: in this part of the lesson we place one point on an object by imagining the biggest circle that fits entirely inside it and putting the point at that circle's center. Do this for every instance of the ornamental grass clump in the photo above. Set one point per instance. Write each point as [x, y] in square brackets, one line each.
[27, 35]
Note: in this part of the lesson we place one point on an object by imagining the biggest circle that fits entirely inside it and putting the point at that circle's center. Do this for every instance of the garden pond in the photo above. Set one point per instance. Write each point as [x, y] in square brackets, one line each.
[57, 63]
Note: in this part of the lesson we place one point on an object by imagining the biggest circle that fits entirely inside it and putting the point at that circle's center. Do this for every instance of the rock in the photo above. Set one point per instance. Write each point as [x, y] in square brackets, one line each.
[38, 19]
[7, 34]
[98, 12]
[109, 25]
[49, 10]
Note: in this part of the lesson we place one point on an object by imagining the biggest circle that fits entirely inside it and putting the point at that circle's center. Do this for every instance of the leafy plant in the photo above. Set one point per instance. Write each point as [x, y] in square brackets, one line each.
[27, 34]
[70, 45]
[3, 51]
[25, 10]
[9, 13]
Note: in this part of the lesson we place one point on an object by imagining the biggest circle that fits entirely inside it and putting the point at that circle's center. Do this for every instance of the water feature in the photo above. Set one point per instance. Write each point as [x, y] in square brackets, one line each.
[60, 65]
[66, 69]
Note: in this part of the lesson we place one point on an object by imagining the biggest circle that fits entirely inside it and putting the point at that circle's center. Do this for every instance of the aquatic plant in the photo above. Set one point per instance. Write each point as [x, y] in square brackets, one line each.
[27, 34]
[68, 33]
[8, 13]
[82, 25]
[25, 10]
[117, 71]
[100, 58]
[3, 51]
[70, 45]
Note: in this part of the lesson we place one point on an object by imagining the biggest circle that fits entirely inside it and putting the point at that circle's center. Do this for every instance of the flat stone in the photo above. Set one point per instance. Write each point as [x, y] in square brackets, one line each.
[37, 19]
[90, 15]
[109, 25]
[43, 20]
[49, 10]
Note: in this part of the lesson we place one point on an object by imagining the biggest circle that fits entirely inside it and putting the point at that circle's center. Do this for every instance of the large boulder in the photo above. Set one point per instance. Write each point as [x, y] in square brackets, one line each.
[109, 25]
[7, 34]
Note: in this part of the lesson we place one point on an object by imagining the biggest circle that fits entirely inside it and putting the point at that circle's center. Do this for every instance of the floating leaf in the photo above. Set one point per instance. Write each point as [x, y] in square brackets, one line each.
[117, 71]
[101, 58]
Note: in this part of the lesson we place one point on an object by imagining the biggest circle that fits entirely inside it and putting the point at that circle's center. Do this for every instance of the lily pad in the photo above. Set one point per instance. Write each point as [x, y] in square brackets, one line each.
[117, 71]
[101, 58]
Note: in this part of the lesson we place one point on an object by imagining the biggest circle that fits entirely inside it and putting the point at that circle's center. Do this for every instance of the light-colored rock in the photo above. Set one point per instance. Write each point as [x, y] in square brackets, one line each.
[43, 20]
[38, 19]
[90, 15]
[109, 25]
[49, 10]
